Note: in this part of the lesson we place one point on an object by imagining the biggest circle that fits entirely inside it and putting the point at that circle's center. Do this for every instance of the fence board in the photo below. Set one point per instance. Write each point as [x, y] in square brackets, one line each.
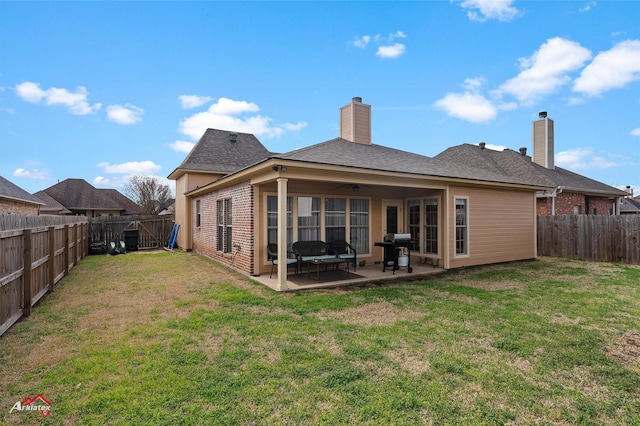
[153, 231]
[590, 237]
[35, 253]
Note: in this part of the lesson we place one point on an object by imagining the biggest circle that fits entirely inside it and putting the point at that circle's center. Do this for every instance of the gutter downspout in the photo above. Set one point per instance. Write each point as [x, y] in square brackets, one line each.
[555, 192]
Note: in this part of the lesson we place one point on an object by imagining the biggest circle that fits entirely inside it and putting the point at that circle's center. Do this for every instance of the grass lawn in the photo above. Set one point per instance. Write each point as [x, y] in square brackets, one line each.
[153, 339]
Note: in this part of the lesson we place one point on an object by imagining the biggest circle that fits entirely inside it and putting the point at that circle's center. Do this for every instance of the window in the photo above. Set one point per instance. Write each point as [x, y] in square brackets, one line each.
[220, 216]
[359, 225]
[462, 243]
[335, 219]
[198, 213]
[339, 219]
[577, 209]
[308, 218]
[225, 228]
[228, 207]
[272, 220]
[413, 219]
[431, 226]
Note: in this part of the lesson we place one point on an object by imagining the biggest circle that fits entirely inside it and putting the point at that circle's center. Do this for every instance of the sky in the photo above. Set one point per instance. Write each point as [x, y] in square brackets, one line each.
[103, 91]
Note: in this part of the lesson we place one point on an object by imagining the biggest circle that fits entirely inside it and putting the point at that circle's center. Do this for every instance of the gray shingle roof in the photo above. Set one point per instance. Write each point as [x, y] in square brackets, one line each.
[342, 152]
[515, 164]
[51, 206]
[13, 191]
[78, 194]
[629, 205]
[215, 152]
[125, 202]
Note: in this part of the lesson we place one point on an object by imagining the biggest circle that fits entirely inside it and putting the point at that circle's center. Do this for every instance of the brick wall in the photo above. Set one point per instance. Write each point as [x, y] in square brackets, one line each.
[205, 236]
[16, 207]
[566, 201]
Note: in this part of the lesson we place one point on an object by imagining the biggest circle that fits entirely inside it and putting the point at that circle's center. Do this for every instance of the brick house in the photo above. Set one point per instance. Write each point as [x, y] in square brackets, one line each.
[16, 200]
[233, 197]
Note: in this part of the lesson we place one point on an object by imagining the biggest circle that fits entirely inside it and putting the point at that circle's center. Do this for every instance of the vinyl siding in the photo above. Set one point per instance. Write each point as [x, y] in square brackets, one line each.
[501, 226]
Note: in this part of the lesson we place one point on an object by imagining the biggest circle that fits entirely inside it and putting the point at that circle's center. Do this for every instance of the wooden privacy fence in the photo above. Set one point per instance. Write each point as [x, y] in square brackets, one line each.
[152, 231]
[590, 237]
[35, 253]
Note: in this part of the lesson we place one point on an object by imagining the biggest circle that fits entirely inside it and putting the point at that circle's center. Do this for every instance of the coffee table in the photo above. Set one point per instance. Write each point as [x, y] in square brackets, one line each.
[326, 261]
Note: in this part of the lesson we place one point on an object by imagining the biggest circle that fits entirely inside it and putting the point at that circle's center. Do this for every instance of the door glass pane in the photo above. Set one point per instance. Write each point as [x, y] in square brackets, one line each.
[392, 219]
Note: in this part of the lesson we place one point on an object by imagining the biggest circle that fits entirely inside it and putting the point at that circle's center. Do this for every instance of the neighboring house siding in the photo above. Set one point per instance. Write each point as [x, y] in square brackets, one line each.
[205, 236]
[501, 226]
[544, 206]
[16, 207]
[600, 206]
[566, 203]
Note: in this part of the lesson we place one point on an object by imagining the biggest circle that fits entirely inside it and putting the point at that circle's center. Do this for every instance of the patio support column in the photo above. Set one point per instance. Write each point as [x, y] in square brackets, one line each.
[282, 234]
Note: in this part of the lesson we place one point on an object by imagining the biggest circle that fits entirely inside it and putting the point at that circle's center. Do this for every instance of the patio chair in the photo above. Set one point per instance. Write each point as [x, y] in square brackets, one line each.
[344, 251]
[291, 260]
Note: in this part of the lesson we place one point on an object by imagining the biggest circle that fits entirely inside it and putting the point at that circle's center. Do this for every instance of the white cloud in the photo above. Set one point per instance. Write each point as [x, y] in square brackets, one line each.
[611, 69]
[76, 102]
[545, 71]
[493, 147]
[34, 174]
[122, 181]
[397, 34]
[470, 105]
[127, 114]
[392, 51]
[635, 132]
[193, 101]
[361, 42]
[587, 7]
[483, 10]
[467, 106]
[584, 158]
[131, 168]
[228, 114]
[386, 46]
[182, 146]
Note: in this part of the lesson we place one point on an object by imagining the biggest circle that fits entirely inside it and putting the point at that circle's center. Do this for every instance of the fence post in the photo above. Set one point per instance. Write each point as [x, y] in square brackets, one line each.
[26, 272]
[66, 250]
[52, 257]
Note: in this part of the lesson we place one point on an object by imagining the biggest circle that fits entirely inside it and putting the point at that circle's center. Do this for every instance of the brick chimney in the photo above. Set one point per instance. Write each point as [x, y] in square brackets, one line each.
[543, 141]
[355, 122]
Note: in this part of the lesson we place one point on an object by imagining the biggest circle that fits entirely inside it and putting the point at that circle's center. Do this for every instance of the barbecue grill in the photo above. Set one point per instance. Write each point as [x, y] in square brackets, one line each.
[397, 252]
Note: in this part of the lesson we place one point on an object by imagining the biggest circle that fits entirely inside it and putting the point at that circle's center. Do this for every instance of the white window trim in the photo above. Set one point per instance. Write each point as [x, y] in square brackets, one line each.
[468, 253]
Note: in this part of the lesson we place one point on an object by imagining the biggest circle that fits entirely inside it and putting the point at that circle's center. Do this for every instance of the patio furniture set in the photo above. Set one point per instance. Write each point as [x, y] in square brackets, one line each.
[315, 253]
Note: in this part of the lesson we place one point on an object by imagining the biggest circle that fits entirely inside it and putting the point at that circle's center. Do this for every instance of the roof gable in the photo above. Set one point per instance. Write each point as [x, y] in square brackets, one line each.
[14, 192]
[219, 151]
[51, 206]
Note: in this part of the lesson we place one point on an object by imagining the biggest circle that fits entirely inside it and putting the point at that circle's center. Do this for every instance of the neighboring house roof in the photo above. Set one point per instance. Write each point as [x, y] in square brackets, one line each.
[629, 205]
[78, 194]
[171, 209]
[516, 164]
[125, 202]
[342, 152]
[12, 191]
[219, 151]
[51, 206]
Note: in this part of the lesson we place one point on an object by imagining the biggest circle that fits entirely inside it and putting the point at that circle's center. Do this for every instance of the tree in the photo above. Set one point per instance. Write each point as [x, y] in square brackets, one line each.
[149, 192]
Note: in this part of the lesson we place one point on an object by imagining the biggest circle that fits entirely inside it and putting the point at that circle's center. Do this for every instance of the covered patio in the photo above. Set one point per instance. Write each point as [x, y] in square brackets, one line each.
[370, 273]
